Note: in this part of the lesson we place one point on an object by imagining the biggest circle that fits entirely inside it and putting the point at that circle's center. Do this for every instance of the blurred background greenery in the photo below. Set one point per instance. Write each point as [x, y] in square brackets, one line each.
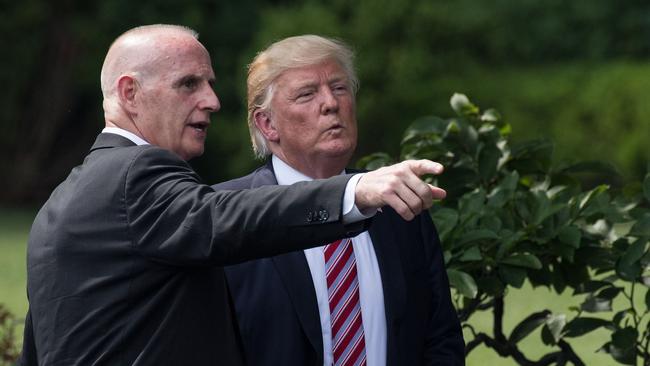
[576, 72]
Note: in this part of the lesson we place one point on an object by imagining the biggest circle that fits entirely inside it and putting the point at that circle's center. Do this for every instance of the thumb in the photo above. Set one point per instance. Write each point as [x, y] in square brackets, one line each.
[437, 192]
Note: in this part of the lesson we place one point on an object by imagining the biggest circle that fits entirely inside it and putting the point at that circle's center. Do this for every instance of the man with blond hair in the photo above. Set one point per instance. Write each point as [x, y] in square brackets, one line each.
[123, 260]
[380, 297]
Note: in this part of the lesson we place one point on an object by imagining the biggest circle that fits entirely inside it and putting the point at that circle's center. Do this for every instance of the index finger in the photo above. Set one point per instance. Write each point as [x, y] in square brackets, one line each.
[424, 166]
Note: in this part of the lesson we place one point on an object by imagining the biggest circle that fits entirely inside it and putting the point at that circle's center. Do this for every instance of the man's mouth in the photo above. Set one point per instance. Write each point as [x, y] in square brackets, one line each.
[199, 126]
[335, 127]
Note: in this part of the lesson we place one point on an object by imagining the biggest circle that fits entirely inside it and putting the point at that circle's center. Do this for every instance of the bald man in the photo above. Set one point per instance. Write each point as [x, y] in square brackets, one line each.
[120, 259]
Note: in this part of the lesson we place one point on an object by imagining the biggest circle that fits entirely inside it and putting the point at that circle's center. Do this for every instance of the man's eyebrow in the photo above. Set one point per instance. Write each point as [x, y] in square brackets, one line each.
[185, 78]
[338, 78]
[192, 77]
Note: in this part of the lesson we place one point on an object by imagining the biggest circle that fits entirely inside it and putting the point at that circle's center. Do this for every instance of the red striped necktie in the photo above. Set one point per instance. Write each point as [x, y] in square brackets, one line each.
[348, 343]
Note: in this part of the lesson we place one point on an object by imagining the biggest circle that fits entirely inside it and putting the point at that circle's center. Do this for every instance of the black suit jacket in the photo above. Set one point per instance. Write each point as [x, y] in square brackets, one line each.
[121, 259]
[276, 304]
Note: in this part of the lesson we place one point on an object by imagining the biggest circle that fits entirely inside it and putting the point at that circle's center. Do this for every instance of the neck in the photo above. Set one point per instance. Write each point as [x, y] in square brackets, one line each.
[119, 120]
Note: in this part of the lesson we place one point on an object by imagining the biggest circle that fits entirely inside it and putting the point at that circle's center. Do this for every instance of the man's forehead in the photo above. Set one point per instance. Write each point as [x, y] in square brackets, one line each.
[296, 77]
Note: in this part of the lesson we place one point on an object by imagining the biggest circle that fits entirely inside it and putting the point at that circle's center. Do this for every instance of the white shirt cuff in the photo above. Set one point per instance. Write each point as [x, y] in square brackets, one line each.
[351, 212]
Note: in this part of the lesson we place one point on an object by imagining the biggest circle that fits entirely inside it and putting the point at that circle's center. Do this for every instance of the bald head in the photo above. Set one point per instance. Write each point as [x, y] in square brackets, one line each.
[138, 51]
[157, 82]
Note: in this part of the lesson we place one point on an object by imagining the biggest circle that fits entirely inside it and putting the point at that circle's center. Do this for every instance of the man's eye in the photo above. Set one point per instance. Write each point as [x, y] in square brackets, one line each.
[190, 84]
[340, 88]
[305, 95]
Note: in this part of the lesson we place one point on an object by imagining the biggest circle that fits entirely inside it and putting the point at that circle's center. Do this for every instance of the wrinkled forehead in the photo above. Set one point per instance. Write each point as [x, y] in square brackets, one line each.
[327, 71]
[179, 57]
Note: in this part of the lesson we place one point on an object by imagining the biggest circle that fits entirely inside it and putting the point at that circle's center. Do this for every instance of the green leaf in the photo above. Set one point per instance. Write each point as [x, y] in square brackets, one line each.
[570, 235]
[528, 325]
[492, 223]
[447, 256]
[471, 254]
[462, 282]
[487, 162]
[427, 126]
[625, 338]
[523, 260]
[625, 356]
[509, 240]
[580, 326]
[532, 157]
[445, 220]
[646, 187]
[491, 285]
[628, 266]
[590, 286]
[477, 235]
[462, 106]
[647, 300]
[596, 169]
[609, 293]
[547, 337]
[554, 326]
[374, 161]
[491, 115]
[641, 228]
[619, 316]
[635, 251]
[503, 192]
[591, 196]
[595, 304]
[628, 271]
[513, 276]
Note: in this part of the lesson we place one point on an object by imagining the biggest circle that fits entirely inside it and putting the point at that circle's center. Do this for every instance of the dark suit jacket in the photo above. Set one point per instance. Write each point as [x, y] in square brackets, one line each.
[276, 304]
[121, 259]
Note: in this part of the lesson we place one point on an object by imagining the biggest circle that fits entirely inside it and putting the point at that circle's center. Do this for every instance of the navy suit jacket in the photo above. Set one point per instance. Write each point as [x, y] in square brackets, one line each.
[276, 306]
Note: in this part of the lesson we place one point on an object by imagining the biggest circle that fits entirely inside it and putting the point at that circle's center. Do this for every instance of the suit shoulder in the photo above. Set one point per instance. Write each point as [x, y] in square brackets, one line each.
[233, 184]
[244, 182]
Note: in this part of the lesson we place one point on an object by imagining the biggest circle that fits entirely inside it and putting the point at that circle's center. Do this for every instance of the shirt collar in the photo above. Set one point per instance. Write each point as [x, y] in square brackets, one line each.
[126, 134]
[285, 174]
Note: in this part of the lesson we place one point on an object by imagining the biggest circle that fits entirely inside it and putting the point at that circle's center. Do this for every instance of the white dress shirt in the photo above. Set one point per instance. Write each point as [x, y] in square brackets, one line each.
[371, 293]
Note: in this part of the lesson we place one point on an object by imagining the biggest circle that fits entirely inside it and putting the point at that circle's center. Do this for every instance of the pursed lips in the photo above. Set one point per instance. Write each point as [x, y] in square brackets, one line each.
[201, 126]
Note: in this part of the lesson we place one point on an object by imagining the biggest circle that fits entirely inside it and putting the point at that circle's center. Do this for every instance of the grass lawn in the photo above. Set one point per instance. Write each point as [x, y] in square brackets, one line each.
[14, 226]
[519, 304]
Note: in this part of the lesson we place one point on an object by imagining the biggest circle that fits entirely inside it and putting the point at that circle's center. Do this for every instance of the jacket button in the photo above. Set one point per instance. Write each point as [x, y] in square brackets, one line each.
[324, 215]
[310, 216]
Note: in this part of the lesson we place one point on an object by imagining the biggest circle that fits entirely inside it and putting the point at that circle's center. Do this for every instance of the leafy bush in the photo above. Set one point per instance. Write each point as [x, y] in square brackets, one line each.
[511, 216]
[8, 347]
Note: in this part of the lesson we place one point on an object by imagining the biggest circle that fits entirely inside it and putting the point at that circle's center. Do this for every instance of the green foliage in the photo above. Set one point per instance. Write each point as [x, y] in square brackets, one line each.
[575, 72]
[9, 351]
[511, 216]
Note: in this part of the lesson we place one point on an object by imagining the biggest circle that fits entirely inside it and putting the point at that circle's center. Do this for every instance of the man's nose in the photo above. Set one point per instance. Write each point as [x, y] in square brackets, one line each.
[211, 101]
[330, 103]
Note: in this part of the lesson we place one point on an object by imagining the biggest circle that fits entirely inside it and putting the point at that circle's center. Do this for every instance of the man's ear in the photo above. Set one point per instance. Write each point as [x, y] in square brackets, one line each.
[265, 124]
[127, 89]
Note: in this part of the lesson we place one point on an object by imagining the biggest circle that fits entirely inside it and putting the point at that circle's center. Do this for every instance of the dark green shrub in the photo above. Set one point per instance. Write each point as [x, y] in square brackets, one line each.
[511, 216]
[9, 351]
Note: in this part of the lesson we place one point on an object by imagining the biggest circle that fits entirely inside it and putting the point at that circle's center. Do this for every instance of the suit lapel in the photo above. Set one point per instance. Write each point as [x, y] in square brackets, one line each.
[385, 240]
[294, 270]
[296, 276]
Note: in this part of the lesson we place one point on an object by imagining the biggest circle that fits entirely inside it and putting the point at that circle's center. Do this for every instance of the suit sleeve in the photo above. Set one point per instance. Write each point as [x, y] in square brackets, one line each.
[174, 218]
[444, 338]
[28, 354]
